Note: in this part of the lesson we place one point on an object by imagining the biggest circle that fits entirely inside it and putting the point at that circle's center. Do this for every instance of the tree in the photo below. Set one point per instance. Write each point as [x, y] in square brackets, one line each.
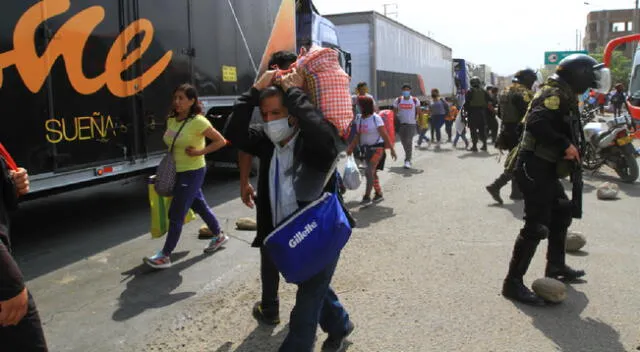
[620, 66]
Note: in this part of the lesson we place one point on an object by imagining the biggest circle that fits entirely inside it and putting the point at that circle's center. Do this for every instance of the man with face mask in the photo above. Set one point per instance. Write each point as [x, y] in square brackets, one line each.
[547, 153]
[407, 111]
[299, 148]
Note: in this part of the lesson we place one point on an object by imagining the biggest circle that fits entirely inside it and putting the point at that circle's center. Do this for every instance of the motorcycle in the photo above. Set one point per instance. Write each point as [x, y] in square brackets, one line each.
[609, 142]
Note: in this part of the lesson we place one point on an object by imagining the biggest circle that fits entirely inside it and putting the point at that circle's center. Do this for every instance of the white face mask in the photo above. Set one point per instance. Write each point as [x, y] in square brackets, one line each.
[278, 130]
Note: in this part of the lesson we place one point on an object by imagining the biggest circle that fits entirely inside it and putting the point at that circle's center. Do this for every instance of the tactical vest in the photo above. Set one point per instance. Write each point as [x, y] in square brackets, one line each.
[509, 112]
[478, 98]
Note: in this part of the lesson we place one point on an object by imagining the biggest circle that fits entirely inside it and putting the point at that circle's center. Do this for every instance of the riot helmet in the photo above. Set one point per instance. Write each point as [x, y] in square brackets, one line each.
[475, 82]
[582, 72]
[526, 77]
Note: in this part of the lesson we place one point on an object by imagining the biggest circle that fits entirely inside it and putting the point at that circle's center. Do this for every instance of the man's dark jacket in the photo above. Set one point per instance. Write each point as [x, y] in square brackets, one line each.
[315, 152]
[11, 281]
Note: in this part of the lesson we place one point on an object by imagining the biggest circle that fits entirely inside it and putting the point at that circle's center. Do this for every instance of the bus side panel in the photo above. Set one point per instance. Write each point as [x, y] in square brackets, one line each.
[88, 126]
[22, 112]
[171, 33]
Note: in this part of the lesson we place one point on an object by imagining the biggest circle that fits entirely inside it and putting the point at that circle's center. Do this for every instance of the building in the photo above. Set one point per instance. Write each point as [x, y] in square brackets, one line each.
[603, 26]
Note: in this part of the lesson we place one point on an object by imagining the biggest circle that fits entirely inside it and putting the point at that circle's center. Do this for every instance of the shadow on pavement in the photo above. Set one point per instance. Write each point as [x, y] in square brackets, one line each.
[151, 289]
[515, 208]
[365, 217]
[477, 155]
[629, 189]
[53, 232]
[260, 339]
[563, 325]
[405, 172]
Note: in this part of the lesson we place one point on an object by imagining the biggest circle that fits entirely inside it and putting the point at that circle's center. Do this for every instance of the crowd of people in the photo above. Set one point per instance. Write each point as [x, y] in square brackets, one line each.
[298, 151]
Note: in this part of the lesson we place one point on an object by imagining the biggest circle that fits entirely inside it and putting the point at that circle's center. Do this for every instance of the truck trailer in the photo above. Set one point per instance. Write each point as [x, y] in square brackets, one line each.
[387, 55]
[86, 85]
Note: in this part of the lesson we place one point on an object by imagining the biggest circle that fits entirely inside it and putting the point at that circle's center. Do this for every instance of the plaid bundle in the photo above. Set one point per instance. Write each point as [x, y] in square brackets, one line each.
[328, 86]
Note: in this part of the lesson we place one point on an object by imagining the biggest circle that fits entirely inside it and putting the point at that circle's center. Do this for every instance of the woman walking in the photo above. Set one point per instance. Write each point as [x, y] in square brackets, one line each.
[439, 110]
[187, 128]
[372, 138]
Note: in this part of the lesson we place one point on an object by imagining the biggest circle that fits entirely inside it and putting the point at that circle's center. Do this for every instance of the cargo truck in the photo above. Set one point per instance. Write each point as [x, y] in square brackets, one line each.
[387, 55]
[86, 85]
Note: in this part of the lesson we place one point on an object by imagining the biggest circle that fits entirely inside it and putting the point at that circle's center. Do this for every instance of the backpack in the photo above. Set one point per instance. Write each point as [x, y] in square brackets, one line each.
[447, 110]
[478, 98]
[389, 124]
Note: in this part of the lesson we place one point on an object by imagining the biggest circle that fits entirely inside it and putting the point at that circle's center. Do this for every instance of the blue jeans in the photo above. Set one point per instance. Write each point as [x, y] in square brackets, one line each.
[462, 135]
[315, 303]
[422, 136]
[188, 194]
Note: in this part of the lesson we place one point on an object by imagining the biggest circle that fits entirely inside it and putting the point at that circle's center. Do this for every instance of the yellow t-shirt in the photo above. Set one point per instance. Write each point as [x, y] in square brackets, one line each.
[190, 136]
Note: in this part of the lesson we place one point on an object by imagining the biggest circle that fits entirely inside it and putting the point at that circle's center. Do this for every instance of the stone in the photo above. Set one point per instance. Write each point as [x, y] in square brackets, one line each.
[575, 241]
[608, 191]
[246, 224]
[551, 290]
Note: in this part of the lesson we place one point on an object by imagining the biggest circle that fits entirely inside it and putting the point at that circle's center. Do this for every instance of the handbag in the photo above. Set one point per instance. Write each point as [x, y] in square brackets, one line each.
[310, 239]
[165, 179]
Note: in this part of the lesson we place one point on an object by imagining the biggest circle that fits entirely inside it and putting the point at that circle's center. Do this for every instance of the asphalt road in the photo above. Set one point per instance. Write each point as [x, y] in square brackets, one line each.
[422, 272]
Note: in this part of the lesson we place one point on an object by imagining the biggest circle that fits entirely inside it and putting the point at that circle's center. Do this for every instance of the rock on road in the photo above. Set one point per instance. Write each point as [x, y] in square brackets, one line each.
[422, 272]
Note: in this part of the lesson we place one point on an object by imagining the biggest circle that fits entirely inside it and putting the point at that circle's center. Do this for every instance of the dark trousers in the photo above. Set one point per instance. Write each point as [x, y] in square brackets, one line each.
[448, 127]
[316, 303]
[436, 125]
[617, 110]
[547, 215]
[27, 336]
[492, 126]
[270, 277]
[477, 124]
[188, 195]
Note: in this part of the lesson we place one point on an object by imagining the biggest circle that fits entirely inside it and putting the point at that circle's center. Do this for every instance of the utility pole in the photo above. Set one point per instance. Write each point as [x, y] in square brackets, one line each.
[394, 12]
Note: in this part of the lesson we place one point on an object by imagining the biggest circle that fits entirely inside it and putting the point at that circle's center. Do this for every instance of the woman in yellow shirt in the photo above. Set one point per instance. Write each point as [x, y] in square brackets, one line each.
[189, 151]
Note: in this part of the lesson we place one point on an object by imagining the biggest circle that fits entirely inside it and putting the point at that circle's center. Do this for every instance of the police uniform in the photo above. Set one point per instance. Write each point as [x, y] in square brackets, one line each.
[539, 166]
[476, 104]
[514, 101]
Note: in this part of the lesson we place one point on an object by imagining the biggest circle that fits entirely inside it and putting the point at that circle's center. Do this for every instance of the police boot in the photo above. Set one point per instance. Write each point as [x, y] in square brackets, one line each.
[494, 188]
[484, 146]
[516, 194]
[513, 286]
[556, 254]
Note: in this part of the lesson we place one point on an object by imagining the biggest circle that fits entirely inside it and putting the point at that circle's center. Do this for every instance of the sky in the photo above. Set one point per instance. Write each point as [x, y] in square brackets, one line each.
[506, 35]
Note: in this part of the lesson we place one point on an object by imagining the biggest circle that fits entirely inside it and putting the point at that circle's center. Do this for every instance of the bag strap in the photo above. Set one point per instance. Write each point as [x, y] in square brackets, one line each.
[178, 134]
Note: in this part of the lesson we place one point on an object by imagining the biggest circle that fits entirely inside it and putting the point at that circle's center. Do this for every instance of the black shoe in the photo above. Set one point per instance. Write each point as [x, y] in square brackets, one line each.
[269, 317]
[366, 201]
[565, 274]
[336, 343]
[377, 198]
[495, 193]
[516, 196]
[474, 149]
[516, 290]
[484, 148]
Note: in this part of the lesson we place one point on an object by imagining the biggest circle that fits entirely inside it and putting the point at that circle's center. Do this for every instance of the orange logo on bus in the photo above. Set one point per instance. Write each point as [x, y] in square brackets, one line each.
[69, 43]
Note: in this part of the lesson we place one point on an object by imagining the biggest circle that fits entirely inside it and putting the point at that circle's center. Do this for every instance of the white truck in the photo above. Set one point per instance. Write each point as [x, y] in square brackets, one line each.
[387, 55]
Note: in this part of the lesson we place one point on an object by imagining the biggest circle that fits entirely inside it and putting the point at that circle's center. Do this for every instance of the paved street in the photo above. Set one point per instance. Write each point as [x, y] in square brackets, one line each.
[422, 272]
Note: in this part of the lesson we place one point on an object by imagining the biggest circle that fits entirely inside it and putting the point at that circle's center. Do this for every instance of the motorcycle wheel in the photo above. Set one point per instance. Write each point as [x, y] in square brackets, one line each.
[628, 168]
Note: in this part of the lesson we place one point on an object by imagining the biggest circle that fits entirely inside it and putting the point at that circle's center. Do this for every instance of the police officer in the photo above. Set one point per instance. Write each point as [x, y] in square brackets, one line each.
[476, 105]
[546, 152]
[514, 101]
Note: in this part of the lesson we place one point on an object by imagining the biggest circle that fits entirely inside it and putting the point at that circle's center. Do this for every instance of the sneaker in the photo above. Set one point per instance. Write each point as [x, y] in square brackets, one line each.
[336, 344]
[205, 233]
[378, 198]
[216, 243]
[158, 261]
[366, 200]
[266, 317]
[407, 164]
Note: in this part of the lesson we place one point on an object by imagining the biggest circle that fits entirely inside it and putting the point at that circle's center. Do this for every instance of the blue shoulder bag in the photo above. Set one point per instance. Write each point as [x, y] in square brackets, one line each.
[310, 239]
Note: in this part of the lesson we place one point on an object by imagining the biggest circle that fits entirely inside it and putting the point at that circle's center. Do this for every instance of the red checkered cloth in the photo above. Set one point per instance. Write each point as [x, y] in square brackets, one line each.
[328, 86]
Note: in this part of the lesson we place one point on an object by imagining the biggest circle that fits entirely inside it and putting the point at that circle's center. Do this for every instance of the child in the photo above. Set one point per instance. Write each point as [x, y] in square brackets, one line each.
[423, 125]
[461, 130]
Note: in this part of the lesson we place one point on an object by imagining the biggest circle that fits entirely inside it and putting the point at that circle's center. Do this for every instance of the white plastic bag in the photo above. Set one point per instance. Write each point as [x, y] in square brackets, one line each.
[351, 175]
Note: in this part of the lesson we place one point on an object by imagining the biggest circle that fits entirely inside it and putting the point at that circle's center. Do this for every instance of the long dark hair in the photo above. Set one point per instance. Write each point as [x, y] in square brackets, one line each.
[192, 94]
[366, 105]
